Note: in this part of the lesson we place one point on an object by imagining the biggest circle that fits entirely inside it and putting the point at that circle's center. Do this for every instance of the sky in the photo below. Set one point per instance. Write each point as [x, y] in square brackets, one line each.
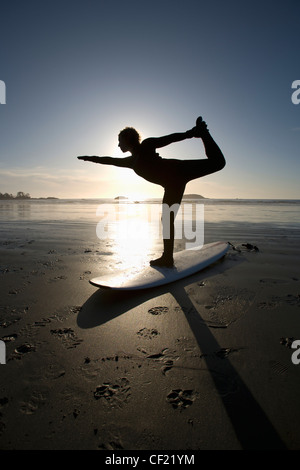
[77, 72]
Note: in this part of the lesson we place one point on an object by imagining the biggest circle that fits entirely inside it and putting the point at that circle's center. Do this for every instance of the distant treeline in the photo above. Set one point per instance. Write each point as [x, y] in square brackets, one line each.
[20, 195]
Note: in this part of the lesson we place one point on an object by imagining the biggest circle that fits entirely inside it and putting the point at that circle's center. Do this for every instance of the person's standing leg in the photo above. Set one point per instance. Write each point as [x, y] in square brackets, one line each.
[170, 206]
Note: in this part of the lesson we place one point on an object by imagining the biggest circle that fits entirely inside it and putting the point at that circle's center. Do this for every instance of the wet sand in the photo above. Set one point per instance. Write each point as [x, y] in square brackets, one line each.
[204, 363]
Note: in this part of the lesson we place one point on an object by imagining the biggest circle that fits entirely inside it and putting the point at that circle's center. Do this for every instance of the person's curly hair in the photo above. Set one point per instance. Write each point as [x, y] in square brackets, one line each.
[131, 135]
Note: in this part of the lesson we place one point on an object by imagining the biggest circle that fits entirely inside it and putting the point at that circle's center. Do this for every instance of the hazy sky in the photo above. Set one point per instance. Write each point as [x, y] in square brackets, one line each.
[76, 72]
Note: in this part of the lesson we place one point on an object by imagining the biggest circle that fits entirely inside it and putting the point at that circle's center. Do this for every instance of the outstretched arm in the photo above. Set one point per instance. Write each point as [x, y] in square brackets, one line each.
[158, 142]
[123, 162]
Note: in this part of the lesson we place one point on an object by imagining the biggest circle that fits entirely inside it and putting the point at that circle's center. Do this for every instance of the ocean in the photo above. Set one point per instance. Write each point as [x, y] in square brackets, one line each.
[116, 227]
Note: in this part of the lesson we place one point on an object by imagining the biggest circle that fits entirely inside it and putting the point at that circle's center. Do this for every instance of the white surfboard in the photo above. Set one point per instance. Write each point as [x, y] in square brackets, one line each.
[186, 262]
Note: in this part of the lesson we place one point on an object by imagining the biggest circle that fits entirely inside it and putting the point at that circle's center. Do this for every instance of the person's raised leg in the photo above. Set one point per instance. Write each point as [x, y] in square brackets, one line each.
[215, 160]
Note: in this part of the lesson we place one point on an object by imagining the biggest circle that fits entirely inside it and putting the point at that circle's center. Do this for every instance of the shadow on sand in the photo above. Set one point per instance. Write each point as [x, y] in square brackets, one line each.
[252, 427]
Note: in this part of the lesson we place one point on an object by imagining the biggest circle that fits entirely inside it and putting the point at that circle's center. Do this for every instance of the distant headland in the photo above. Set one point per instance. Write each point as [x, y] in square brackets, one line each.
[193, 196]
[22, 196]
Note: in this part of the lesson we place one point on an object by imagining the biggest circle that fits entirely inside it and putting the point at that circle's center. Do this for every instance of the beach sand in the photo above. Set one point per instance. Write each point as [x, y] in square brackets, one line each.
[204, 363]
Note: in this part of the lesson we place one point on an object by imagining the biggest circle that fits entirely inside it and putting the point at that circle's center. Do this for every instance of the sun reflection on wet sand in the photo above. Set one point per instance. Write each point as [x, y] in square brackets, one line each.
[134, 232]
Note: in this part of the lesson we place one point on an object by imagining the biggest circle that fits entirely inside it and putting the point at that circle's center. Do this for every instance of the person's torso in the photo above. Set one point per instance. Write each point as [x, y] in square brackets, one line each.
[149, 165]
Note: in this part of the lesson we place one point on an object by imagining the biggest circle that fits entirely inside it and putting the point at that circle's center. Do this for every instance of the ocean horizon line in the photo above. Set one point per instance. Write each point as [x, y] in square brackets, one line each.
[149, 199]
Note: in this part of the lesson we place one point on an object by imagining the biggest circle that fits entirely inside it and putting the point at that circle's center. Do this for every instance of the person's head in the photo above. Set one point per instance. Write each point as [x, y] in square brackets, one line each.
[128, 139]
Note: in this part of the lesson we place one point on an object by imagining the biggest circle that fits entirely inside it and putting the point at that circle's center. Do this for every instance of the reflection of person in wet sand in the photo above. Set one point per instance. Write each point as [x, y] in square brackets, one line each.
[172, 174]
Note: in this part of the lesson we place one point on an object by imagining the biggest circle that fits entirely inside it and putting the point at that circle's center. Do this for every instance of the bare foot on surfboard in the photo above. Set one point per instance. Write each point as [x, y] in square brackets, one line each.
[163, 262]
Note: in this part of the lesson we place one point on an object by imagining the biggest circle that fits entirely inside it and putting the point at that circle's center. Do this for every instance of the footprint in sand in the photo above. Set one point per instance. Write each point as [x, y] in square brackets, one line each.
[165, 357]
[67, 336]
[148, 333]
[181, 399]
[36, 400]
[85, 275]
[115, 394]
[23, 349]
[158, 310]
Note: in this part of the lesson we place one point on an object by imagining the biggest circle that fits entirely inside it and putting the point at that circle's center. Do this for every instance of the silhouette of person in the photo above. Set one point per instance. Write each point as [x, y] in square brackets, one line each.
[171, 174]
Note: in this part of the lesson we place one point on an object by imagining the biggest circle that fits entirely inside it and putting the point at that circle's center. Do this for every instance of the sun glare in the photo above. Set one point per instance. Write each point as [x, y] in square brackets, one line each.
[132, 251]
[133, 237]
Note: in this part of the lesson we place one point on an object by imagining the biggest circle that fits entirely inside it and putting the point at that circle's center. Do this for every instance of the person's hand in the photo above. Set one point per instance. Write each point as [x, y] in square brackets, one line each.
[200, 129]
[86, 158]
